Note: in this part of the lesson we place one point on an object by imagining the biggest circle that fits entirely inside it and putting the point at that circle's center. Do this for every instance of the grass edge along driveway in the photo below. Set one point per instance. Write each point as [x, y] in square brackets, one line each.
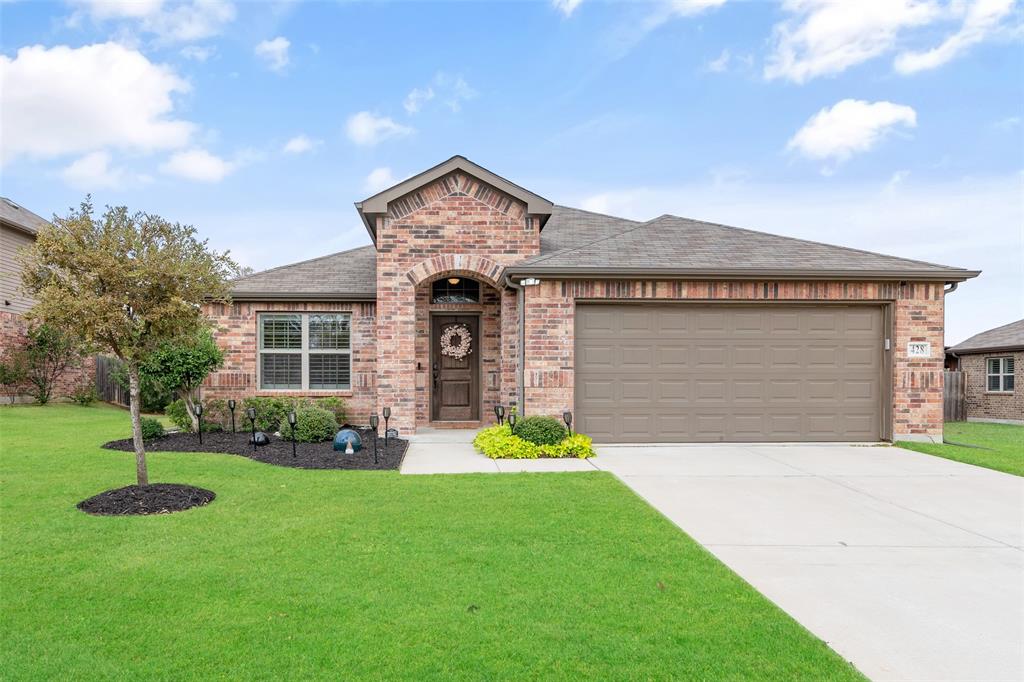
[293, 574]
[997, 446]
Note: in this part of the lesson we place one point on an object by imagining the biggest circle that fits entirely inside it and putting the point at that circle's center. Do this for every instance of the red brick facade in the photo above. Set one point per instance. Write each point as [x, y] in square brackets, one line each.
[458, 226]
[12, 336]
[983, 404]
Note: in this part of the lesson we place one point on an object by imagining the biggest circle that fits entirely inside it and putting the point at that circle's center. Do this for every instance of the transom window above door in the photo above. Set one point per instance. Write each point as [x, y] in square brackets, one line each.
[305, 351]
[455, 290]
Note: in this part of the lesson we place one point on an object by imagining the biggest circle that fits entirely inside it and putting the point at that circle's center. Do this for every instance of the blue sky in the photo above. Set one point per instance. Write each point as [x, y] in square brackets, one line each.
[894, 126]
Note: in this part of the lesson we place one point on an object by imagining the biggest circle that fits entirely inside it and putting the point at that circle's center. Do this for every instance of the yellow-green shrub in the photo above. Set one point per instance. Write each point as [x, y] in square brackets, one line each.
[498, 442]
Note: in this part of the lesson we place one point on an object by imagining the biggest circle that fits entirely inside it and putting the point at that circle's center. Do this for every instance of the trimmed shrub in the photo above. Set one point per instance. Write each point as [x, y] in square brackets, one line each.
[151, 428]
[270, 412]
[176, 412]
[216, 416]
[85, 394]
[312, 425]
[335, 405]
[541, 430]
[498, 442]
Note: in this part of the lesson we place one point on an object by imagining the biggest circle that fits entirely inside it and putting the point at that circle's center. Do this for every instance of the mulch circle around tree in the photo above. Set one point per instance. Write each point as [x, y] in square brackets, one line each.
[157, 498]
[279, 452]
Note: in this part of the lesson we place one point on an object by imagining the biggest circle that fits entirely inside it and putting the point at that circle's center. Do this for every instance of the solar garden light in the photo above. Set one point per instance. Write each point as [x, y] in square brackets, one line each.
[231, 406]
[251, 414]
[512, 422]
[499, 412]
[387, 415]
[291, 422]
[567, 418]
[199, 414]
[374, 423]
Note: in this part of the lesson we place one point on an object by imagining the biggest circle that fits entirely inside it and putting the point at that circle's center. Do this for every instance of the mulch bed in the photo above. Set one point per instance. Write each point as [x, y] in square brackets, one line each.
[157, 498]
[279, 452]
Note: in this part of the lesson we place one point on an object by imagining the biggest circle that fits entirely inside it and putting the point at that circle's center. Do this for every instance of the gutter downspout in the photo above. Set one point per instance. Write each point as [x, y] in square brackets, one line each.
[521, 344]
[946, 292]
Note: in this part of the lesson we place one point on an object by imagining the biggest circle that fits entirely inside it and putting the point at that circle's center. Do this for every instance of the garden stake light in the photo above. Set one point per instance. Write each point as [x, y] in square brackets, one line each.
[567, 418]
[374, 423]
[499, 412]
[199, 415]
[231, 406]
[251, 413]
[387, 416]
[291, 423]
[512, 423]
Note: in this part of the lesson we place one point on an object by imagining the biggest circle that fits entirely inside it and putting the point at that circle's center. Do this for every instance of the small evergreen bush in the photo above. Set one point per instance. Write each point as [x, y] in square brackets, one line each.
[85, 394]
[176, 412]
[151, 428]
[312, 425]
[498, 442]
[270, 413]
[541, 430]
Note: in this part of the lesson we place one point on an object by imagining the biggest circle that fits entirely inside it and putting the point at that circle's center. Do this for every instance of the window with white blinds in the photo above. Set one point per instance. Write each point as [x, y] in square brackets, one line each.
[1000, 375]
[305, 351]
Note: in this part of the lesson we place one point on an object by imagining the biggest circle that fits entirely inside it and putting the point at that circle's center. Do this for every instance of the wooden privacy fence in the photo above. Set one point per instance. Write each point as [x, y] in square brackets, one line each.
[954, 398]
[108, 387]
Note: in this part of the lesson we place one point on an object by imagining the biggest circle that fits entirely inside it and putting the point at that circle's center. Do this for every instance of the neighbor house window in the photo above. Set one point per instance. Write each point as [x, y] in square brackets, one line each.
[1000, 375]
[305, 351]
[455, 290]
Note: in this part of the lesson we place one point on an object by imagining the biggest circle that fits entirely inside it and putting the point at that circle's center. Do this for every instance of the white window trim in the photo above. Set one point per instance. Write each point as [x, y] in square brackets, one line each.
[1002, 374]
[304, 351]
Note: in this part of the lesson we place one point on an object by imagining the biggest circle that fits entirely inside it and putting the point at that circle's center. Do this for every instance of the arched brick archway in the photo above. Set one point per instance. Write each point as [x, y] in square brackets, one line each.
[477, 267]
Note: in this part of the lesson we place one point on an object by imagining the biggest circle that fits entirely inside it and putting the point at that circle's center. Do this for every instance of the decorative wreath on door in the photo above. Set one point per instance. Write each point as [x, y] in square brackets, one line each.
[465, 339]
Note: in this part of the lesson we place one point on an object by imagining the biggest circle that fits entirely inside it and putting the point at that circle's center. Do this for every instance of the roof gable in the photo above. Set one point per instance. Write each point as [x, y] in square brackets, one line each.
[377, 205]
[20, 217]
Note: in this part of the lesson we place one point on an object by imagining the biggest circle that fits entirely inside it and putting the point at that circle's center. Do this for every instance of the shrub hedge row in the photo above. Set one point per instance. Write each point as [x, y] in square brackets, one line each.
[498, 442]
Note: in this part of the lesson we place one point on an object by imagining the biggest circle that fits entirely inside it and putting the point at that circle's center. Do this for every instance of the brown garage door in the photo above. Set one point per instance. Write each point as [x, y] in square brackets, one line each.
[708, 373]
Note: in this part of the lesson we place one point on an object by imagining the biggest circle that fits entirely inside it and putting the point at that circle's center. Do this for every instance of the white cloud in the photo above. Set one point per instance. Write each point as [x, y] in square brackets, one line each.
[897, 179]
[93, 171]
[566, 7]
[1007, 124]
[825, 37]
[981, 18]
[720, 63]
[300, 144]
[199, 165]
[197, 53]
[922, 220]
[366, 129]
[378, 179]
[274, 53]
[632, 30]
[849, 127]
[450, 90]
[171, 22]
[61, 100]
[416, 98]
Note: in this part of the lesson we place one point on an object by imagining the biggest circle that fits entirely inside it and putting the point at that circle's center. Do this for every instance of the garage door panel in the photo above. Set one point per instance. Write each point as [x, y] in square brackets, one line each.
[728, 373]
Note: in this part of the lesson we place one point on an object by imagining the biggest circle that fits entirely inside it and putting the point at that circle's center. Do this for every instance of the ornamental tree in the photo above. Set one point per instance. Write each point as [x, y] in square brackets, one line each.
[127, 283]
[181, 366]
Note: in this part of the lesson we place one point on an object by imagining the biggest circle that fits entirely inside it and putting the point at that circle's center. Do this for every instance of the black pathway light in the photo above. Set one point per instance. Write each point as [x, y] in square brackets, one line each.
[499, 412]
[387, 415]
[199, 415]
[512, 422]
[251, 414]
[567, 418]
[374, 423]
[231, 406]
[291, 422]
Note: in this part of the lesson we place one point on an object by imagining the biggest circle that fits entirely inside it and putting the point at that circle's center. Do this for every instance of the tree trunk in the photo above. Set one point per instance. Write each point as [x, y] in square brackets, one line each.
[190, 406]
[135, 409]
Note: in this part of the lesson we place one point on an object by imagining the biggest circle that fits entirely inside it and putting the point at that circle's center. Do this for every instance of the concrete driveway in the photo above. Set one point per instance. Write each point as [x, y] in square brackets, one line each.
[908, 565]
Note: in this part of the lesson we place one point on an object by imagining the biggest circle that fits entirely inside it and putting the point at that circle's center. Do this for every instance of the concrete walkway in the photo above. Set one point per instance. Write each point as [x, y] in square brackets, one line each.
[908, 565]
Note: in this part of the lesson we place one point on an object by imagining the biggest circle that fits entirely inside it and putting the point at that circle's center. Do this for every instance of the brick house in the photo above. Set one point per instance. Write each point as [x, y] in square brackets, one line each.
[477, 292]
[18, 229]
[993, 367]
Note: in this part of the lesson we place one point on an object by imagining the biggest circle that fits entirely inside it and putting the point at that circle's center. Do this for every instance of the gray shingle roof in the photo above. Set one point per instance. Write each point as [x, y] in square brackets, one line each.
[1007, 337]
[20, 217]
[569, 227]
[348, 274]
[673, 245]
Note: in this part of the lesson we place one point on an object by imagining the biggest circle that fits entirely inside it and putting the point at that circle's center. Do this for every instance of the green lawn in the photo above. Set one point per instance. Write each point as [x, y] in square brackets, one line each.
[293, 574]
[1004, 443]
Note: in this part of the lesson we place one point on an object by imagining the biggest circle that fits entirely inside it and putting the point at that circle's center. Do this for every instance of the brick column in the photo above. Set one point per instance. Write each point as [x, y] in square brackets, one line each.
[917, 382]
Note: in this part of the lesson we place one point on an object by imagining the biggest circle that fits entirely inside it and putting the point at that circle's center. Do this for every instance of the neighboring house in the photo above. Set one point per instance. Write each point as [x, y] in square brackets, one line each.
[18, 229]
[993, 367]
[477, 292]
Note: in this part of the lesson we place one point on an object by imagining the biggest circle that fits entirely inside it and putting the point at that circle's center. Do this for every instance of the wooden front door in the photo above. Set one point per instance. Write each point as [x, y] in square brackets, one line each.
[455, 394]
